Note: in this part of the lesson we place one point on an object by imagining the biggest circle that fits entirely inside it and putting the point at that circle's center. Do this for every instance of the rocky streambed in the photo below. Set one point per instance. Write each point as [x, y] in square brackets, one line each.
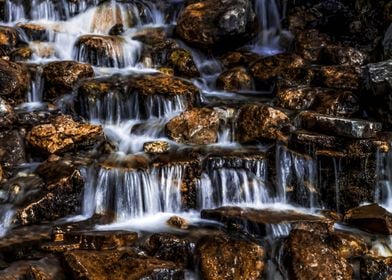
[183, 139]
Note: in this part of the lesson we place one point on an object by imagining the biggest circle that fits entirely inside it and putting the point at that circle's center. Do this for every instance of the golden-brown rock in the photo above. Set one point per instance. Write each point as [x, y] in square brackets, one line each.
[235, 79]
[14, 80]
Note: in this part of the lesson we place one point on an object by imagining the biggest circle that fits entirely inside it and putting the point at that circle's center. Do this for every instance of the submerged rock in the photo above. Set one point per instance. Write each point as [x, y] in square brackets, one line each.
[198, 126]
[223, 258]
[211, 23]
[64, 135]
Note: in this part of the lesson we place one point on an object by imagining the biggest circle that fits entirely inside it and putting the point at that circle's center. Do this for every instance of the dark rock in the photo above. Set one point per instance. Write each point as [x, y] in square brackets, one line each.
[197, 126]
[256, 122]
[7, 114]
[310, 43]
[342, 76]
[337, 55]
[182, 63]
[376, 268]
[235, 79]
[372, 218]
[94, 265]
[222, 257]
[217, 23]
[64, 135]
[178, 222]
[238, 59]
[34, 32]
[21, 54]
[62, 76]
[352, 128]
[12, 149]
[387, 43]
[14, 80]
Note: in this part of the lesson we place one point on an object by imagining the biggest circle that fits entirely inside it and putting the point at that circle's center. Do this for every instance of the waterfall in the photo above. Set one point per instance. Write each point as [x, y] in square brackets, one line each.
[384, 179]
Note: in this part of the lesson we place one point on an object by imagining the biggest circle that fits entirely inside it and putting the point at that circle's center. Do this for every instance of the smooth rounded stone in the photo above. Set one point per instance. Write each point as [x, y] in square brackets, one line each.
[7, 114]
[121, 265]
[34, 32]
[387, 43]
[178, 222]
[156, 147]
[372, 218]
[222, 258]
[169, 247]
[182, 62]
[257, 122]
[9, 38]
[330, 125]
[337, 55]
[372, 267]
[310, 43]
[64, 135]
[222, 23]
[14, 80]
[342, 77]
[308, 255]
[12, 149]
[321, 100]
[197, 126]
[235, 79]
[61, 77]
[259, 221]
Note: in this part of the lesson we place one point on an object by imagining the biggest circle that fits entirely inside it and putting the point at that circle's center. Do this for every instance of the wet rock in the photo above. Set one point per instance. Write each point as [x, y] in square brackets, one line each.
[376, 268]
[387, 43]
[14, 80]
[310, 44]
[217, 23]
[321, 100]
[43, 49]
[9, 38]
[198, 126]
[235, 79]
[235, 59]
[337, 55]
[182, 63]
[117, 29]
[352, 128]
[177, 222]
[118, 265]
[348, 245]
[156, 147]
[12, 149]
[7, 114]
[222, 257]
[296, 77]
[21, 54]
[309, 256]
[259, 222]
[34, 32]
[64, 135]
[343, 77]
[256, 122]
[61, 77]
[372, 218]
[168, 247]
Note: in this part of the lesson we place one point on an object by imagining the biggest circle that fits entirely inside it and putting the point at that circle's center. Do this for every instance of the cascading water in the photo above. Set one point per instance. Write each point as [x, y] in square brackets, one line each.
[384, 179]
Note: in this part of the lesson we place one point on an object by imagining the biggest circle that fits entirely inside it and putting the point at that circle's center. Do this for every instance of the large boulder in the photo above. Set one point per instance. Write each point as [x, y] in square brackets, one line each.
[64, 135]
[14, 80]
[256, 122]
[61, 77]
[224, 258]
[222, 23]
[197, 126]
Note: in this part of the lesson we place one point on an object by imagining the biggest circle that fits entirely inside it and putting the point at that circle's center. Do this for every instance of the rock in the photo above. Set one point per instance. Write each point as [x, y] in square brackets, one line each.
[168, 247]
[14, 80]
[337, 55]
[117, 29]
[177, 222]
[61, 77]
[9, 38]
[105, 265]
[259, 221]
[321, 100]
[43, 49]
[215, 24]
[34, 32]
[387, 43]
[21, 54]
[12, 150]
[197, 126]
[64, 135]
[7, 114]
[348, 245]
[235, 79]
[376, 268]
[372, 218]
[222, 257]
[310, 44]
[182, 62]
[256, 122]
[156, 147]
[352, 128]
[235, 59]
[308, 256]
[342, 76]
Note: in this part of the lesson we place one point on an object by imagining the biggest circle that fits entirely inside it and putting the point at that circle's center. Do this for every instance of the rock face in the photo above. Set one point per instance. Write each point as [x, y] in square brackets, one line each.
[372, 218]
[14, 80]
[257, 122]
[216, 23]
[197, 126]
[62, 76]
[223, 258]
[63, 135]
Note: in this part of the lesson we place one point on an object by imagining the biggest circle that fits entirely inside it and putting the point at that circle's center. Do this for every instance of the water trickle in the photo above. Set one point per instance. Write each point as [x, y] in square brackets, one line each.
[6, 217]
[384, 180]
[36, 87]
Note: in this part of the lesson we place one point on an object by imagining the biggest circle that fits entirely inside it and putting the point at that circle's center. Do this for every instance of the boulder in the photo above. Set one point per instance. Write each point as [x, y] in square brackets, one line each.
[182, 62]
[7, 114]
[61, 77]
[213, 24]
[9, 38]
[330, 125]
[337, 55]
[387, 43]
[64, 135]
[372, 218]
[342, 77]
[197, 126]
[121, 265]
[377, 268]
[256, 122]
[12, 150]
[310, 43]
[235, 79]
[156, 147]
[14, 80]
[21, 54]
[223, 258]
